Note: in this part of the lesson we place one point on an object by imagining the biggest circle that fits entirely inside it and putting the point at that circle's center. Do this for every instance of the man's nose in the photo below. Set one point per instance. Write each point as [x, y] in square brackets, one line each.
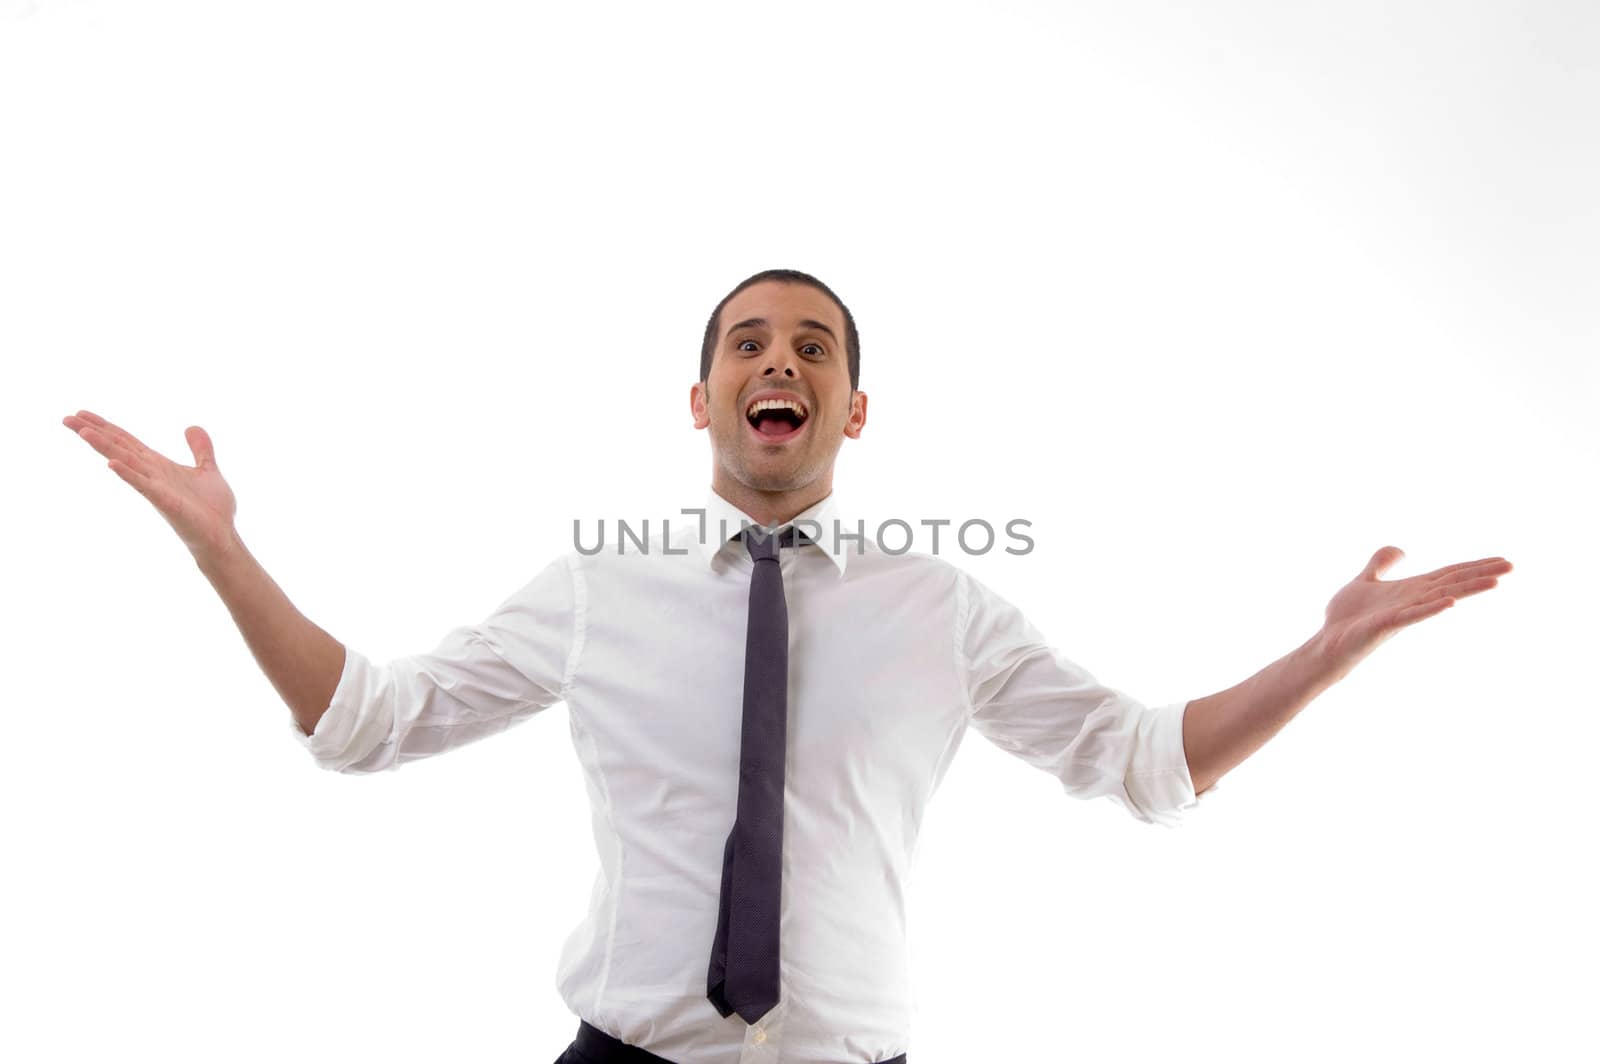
[780, 362]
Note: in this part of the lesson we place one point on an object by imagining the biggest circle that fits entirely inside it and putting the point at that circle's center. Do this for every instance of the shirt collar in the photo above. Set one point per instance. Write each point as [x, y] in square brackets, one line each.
[723, 520]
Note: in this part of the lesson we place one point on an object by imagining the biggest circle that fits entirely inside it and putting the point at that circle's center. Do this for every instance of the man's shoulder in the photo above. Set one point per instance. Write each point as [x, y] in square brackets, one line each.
[872, 556]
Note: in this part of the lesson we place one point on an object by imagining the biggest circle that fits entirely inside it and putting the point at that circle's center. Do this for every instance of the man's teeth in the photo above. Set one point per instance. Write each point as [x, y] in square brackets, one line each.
[776, 404]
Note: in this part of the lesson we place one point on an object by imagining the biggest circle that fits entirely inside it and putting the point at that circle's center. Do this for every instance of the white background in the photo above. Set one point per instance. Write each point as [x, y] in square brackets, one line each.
[1221, 298]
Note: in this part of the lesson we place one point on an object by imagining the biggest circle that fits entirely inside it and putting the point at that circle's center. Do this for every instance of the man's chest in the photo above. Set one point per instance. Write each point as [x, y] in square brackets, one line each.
[872, 673]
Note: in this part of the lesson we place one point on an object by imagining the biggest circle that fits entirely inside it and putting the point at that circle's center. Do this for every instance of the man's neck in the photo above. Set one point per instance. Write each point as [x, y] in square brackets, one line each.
[773, 508]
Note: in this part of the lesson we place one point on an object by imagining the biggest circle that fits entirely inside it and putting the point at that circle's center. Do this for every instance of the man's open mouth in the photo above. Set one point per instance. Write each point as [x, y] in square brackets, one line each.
[776, 420]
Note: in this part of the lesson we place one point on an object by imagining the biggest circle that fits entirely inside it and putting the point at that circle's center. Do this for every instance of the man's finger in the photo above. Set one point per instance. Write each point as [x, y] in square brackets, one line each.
[200, 445]
[121, 435]
[107, 446]
[1469, 570]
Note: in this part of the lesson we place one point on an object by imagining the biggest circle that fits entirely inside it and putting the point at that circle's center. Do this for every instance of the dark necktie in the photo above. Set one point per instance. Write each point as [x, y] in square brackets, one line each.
[744, 956]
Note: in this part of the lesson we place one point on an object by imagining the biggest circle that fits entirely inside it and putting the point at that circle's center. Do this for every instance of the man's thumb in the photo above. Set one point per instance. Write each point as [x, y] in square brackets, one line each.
[200, 444]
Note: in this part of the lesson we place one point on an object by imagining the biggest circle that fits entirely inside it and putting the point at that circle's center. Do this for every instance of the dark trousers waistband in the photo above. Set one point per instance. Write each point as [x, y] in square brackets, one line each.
[597, 1047]
[594, 1046]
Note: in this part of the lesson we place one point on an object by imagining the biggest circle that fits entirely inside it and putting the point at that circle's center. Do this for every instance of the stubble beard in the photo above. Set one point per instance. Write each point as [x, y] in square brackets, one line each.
[736, 458]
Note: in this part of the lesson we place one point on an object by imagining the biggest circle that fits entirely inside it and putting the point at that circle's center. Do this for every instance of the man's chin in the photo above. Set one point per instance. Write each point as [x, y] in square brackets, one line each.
[776, 484]
[773, 476]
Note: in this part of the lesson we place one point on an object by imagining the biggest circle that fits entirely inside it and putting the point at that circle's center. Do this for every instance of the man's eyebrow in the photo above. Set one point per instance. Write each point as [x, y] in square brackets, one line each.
[762, 323]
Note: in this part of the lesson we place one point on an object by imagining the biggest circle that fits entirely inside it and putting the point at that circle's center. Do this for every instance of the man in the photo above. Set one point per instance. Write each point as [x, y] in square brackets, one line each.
[762, 713]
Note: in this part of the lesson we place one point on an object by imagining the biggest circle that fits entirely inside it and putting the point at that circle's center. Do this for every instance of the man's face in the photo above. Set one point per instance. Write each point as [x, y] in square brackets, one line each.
[797, 352]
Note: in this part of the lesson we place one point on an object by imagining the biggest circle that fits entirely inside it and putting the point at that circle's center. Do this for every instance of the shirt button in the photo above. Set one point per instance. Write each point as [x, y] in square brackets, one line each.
[761, 1035]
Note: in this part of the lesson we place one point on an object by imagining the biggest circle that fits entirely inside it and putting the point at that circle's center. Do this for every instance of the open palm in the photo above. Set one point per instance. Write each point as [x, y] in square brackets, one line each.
[1366, 611]
[195, 500]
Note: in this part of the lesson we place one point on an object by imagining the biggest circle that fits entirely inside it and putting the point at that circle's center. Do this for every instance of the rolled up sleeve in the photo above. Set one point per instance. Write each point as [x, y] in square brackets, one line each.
[1159, 789]
[478, 681]
[1030, 700]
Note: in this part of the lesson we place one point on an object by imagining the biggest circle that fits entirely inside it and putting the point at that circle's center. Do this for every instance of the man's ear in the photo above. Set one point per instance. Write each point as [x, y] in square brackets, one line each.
[697, 405]
[858, 415]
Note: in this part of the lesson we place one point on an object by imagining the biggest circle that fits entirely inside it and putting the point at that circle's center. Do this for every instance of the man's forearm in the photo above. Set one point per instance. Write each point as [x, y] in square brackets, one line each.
[302, 661]
[1223, 729]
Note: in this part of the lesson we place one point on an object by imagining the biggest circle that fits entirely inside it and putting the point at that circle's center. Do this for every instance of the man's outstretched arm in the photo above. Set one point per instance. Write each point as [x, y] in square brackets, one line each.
[302, 661]
[1223, 729]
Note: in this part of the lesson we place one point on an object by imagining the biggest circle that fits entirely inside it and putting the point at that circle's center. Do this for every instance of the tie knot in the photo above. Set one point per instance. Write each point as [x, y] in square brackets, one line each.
[763, 545]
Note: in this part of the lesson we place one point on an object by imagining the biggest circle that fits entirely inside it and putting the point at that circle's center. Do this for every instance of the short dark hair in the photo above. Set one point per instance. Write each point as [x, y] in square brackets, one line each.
[852, 341]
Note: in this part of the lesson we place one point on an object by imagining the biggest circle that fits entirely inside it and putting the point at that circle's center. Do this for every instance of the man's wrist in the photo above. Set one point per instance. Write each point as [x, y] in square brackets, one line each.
[216, 558]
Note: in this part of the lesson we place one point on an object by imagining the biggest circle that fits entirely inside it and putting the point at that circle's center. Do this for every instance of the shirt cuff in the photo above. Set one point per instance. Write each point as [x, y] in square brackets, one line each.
[336, 727]
[1159, 787]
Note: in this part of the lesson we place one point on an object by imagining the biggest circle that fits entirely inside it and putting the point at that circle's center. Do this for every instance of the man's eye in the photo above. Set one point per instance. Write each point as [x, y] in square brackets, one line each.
[818, 347]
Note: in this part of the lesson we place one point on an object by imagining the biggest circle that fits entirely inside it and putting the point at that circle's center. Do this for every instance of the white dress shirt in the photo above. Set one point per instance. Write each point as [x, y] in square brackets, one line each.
[892, 657]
